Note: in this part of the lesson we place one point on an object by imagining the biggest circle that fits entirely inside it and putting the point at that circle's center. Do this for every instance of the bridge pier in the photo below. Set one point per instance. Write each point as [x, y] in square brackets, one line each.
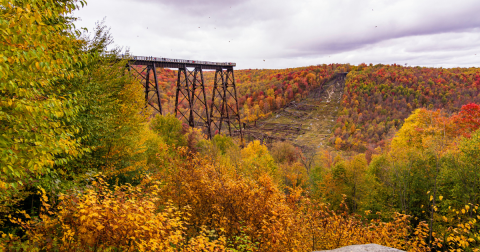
[224, 106]
[151, 89]
[155, 89]
[191, 88]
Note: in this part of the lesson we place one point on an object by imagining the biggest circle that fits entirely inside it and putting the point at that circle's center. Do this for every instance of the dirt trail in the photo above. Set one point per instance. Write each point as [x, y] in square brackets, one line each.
[306, 124]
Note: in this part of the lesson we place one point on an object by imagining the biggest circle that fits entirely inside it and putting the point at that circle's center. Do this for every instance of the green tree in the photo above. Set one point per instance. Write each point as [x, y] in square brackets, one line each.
[39, 48]
[170, 129]
[112, 127]
[461, 174]
[355, 180]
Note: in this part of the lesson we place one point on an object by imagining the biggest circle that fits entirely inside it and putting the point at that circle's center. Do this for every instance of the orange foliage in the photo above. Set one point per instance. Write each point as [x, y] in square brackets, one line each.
[225, 201]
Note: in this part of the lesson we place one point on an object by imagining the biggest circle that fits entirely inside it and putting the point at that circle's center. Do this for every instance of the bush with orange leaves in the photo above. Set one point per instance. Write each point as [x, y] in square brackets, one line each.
[99, 219]
[249, 212]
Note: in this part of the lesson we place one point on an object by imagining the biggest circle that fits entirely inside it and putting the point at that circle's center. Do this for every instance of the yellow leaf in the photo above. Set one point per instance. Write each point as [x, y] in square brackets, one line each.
[440, 198]
[431, 197]
[100, 227]
[37, 65]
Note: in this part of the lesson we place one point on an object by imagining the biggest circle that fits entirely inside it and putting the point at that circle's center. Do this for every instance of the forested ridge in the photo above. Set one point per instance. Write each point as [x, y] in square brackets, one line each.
[379, 98]
[85, 166]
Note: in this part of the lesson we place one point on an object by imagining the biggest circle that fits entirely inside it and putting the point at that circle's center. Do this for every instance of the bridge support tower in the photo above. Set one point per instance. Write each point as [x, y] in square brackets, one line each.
[191, 100]
[224, 111]
[152, 90]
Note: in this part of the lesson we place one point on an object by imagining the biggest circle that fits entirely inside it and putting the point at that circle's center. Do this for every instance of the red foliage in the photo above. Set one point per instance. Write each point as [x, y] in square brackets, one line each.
[377, 99]
[468, 119]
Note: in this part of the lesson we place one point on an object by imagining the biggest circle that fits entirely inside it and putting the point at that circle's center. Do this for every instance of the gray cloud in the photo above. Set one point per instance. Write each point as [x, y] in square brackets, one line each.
[295, 33]
[402, 19]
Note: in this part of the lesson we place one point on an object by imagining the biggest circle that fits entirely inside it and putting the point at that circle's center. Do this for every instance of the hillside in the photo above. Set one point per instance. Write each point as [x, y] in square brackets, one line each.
[379, 98]
[307, 123]
[376, 101]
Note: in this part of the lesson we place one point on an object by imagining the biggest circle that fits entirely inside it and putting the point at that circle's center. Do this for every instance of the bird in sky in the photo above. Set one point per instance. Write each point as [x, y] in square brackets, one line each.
[263, 60]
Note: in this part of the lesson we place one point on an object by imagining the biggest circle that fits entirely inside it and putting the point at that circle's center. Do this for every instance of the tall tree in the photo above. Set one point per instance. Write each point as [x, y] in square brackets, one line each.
[38, 47]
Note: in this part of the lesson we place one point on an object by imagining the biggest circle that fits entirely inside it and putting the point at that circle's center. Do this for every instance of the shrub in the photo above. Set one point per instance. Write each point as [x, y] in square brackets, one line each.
[126, 218]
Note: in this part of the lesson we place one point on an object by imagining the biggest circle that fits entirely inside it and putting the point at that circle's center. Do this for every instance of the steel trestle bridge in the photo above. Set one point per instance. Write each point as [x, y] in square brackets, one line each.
[212, 114]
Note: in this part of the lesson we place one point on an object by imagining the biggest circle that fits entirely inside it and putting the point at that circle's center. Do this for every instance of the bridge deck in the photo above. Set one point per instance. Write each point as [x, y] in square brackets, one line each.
[178, 63]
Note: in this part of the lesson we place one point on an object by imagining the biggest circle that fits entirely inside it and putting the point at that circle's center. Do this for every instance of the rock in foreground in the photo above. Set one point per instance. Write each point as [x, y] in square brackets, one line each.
[364, 248]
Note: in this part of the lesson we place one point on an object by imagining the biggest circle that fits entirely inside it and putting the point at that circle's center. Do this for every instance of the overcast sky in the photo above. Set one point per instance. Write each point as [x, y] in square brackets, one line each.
[294, 33]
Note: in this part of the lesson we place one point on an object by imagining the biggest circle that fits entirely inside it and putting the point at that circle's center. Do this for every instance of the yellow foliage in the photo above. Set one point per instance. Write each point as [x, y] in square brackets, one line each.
[423, 129]
[294, 175]
[257, 160]
[330, 229]
[126, 218]
[338, 143]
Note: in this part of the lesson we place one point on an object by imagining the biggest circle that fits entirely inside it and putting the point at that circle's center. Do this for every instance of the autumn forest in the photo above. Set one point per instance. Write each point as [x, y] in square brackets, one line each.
[86, 166]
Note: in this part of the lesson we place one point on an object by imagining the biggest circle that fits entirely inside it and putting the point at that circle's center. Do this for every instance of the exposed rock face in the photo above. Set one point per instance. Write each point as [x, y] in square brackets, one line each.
[363, 248]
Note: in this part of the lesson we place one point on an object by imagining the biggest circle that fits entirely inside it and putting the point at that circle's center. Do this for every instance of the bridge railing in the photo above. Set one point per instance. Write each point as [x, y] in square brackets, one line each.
[168, 60]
